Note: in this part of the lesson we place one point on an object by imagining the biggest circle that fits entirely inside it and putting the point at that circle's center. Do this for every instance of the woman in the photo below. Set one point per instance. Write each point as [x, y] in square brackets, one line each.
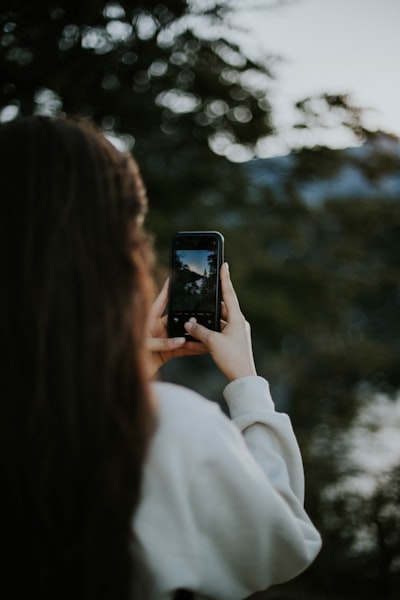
[113, 486]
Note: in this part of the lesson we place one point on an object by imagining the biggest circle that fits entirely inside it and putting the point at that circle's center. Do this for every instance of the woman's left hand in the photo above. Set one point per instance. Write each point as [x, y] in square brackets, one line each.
[161, 348]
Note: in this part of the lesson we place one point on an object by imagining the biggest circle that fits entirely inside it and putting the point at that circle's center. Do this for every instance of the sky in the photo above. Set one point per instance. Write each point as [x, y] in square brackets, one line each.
[197, 260]
[373, 444]
[334, 46]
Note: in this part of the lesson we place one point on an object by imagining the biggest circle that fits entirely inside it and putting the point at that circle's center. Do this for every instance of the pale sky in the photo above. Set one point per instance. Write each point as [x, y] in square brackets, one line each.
[334, 46]
[373, 445]
[197, 260]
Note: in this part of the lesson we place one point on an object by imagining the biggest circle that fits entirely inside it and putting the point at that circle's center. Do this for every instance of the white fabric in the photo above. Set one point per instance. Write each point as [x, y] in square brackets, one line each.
[222, 508]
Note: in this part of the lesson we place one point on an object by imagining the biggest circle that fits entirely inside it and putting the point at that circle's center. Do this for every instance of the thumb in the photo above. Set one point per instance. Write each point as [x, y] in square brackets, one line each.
[198, 331]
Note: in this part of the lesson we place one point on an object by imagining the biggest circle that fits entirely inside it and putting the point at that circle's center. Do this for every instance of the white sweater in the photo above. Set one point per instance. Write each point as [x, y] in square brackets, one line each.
[222, 511]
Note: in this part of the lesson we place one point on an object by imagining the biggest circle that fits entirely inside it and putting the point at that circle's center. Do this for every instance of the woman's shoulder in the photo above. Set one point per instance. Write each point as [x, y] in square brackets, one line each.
[182, 406]
[188, 423]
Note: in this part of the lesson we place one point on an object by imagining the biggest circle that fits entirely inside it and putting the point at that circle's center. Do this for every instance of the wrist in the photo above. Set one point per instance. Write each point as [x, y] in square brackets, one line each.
[240, 371]
[248, 394]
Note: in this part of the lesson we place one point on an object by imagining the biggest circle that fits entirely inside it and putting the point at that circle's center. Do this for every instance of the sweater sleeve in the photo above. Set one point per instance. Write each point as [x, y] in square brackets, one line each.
[249, 496]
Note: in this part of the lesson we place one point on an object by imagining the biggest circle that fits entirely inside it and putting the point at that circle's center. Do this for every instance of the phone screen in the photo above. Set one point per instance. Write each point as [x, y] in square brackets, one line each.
[196, 259]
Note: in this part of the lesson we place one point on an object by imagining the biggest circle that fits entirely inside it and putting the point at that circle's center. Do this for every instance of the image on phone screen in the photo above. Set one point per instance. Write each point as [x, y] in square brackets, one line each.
[194, 287]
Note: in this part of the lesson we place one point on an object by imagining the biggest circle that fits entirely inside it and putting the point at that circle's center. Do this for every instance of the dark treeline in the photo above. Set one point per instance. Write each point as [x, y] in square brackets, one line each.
[319, 283]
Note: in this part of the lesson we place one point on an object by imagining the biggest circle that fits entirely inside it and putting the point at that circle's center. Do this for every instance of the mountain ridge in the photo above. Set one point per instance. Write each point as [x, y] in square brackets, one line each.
[371, 170]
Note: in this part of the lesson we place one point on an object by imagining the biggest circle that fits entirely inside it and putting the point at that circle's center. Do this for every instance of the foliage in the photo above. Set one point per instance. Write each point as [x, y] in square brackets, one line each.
[141, 71]
[322, 293]
[361, 536]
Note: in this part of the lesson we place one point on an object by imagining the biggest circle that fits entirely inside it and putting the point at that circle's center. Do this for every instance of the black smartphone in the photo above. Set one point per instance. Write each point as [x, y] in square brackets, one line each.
[195, 288]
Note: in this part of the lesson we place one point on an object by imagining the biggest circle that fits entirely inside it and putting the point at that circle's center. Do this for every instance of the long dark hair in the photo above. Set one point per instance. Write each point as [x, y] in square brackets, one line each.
[75, 409]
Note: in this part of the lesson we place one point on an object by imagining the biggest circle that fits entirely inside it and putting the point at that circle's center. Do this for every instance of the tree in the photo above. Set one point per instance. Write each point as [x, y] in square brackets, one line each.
[145, 74]
[321, 292]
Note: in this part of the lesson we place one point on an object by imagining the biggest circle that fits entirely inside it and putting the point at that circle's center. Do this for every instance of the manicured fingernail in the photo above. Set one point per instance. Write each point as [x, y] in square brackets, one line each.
[179, 340]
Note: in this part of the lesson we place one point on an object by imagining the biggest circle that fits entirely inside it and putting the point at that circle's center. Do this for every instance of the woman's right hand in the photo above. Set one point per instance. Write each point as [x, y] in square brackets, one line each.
[231, 348]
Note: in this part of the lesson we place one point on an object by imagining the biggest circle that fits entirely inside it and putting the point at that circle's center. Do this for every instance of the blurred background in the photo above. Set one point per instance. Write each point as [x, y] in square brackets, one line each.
[276, 123]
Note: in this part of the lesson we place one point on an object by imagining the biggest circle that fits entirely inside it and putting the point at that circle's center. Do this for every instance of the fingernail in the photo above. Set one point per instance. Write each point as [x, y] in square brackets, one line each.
[227, 267]
[192, 320]
[189, 325]
[179, 340]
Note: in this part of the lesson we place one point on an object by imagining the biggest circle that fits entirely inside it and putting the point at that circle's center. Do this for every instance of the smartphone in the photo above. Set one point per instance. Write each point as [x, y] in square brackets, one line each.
[195, 288]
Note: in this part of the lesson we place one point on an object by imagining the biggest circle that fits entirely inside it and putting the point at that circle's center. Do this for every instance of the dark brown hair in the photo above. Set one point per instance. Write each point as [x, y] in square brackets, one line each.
[75, 414]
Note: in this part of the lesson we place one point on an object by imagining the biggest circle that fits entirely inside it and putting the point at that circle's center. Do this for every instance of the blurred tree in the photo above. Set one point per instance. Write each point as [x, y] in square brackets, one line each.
[326, 320]
[361, 556]
[162, 77]
[322, 293]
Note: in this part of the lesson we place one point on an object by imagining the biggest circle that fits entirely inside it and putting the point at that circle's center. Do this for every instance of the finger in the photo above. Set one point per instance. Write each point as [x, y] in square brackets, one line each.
[231, 301]
[198, 331]
[160, 302]
[224, 314]
[163, 344]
